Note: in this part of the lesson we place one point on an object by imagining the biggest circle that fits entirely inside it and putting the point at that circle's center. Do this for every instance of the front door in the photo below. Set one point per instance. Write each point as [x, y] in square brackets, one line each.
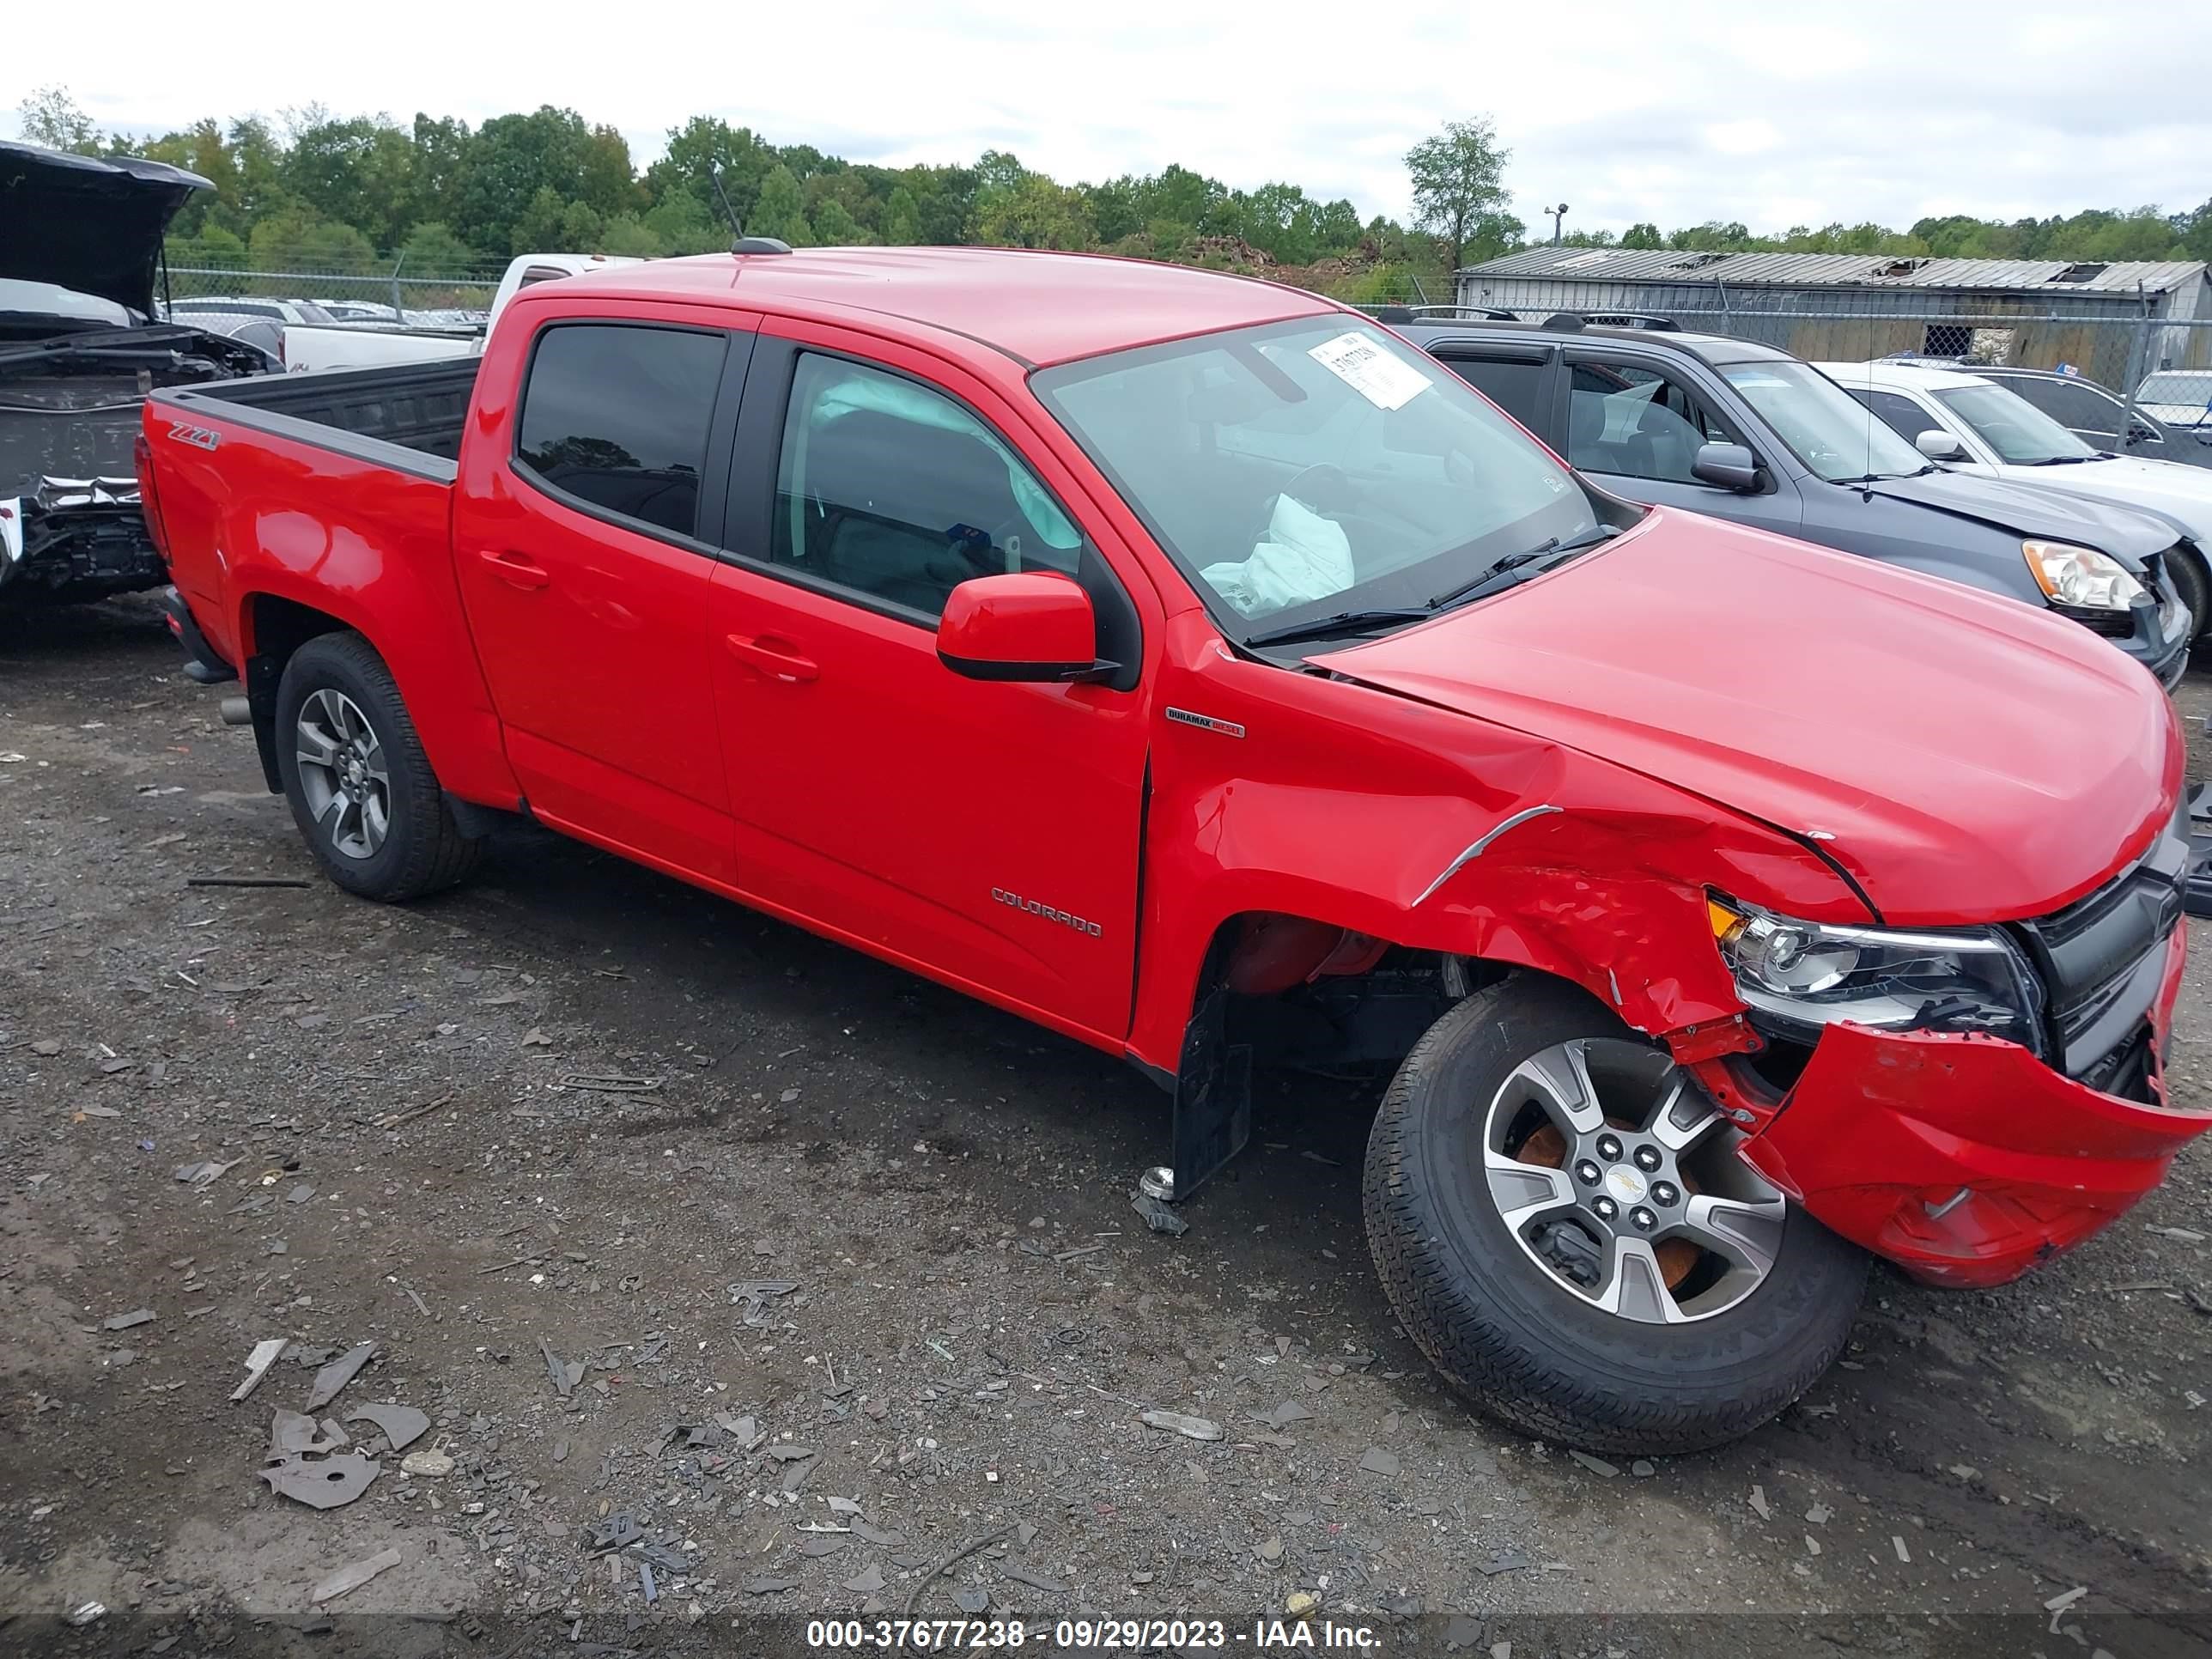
[985, 833]
[586, 582]
[1636, 428]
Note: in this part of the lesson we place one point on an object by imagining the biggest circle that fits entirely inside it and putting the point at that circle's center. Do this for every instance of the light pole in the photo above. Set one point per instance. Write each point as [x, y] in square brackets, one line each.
[1558, 213]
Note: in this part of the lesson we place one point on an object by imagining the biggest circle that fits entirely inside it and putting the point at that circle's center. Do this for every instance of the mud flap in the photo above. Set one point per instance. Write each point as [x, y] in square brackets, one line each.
[1213, 1096]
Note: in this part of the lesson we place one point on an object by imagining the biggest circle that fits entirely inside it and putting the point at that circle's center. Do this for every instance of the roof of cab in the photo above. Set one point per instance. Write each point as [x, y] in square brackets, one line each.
[1035, 307]
[1883, 373]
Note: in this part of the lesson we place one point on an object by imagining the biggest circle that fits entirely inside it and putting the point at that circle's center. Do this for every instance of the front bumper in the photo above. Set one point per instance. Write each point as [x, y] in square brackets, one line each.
[2158, 639]
[1964, 1158]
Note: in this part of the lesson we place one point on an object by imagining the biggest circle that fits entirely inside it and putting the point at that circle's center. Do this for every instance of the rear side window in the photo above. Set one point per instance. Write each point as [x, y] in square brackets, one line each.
[1513, 386]
[616, 417]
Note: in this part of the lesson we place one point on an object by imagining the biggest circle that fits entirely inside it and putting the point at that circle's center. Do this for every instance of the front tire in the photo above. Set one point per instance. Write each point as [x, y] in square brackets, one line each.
[2192, 585]
[1560, 1223]
[360, 787]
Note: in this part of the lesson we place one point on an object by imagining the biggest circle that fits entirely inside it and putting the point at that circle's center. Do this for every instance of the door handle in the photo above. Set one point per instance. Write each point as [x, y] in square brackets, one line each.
[773, 657]
[516, 570]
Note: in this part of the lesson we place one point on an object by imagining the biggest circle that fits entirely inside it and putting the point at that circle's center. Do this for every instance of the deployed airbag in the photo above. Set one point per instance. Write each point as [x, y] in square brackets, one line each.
[1304, 557]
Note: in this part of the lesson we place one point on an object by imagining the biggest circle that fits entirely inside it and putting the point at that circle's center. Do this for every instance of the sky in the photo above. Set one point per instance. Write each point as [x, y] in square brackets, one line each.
[1673, 113]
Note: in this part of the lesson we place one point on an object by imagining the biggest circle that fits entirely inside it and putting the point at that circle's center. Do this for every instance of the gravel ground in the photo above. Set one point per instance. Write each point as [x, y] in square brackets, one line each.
[552, 1142]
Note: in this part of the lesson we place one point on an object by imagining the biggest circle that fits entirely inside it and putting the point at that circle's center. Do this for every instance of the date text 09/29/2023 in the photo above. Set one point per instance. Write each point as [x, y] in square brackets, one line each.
[1088, 1635]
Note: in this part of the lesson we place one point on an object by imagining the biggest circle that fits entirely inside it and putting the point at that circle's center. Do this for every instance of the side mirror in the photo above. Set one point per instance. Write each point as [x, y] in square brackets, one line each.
[1026, 625]
[1940, 445]
[1729, 466]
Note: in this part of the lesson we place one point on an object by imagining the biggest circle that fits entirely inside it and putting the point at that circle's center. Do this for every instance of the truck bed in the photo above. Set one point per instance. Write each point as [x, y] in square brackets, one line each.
[409, 416]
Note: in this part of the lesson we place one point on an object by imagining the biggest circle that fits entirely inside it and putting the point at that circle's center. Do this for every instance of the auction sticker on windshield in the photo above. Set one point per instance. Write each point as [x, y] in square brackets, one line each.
[1355, 359]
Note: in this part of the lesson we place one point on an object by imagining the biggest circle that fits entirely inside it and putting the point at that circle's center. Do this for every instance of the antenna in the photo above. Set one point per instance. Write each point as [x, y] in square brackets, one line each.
[737, 230]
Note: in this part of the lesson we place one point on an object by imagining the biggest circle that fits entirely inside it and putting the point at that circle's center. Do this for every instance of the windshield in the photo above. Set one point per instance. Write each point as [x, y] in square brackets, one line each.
[1298, 470]
[2021, 434]
[1825, 426]
[2194, 389]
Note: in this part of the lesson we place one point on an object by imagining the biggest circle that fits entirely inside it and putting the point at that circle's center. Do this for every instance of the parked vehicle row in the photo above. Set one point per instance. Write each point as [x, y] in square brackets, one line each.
[1746, 433]
[79, 345]
[1218, 679]
[2097, 415]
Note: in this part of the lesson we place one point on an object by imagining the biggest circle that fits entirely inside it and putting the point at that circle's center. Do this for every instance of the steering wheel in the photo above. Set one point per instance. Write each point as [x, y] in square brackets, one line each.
[1322, 486]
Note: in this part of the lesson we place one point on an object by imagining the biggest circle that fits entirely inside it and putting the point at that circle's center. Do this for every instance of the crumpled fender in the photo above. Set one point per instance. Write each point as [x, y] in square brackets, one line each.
[1368, 817]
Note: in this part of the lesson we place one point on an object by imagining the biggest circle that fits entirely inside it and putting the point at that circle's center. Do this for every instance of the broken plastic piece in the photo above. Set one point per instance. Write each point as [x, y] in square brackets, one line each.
[402, 1425]
[352, 1578]
[336, 1375]
[295, 1432]
[1197, 1428]
[257, 1366]
[618, 1531]
[322, 1483]
[1158, 1216]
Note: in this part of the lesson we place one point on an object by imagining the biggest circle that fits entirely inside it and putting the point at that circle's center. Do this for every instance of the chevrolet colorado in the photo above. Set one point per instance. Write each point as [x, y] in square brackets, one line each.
[1193, 667]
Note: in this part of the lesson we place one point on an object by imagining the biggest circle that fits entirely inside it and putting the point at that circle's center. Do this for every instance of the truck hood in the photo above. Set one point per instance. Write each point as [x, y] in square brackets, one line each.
[88, 225]
[1966, 758]
[2029, 511]
[2182, 493]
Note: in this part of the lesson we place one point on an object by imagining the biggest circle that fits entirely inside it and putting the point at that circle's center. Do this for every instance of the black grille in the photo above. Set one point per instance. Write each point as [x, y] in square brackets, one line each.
[2100, 957]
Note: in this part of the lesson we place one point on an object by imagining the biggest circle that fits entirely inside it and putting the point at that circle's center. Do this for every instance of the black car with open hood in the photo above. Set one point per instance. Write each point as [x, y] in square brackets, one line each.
[81, 347]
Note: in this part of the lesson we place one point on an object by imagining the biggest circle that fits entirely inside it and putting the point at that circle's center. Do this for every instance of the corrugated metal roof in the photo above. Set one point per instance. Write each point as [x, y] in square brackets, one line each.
[1834, 270]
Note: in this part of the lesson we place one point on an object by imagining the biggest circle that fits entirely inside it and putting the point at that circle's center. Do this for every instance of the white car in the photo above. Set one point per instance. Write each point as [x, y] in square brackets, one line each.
[1972, 425]
[2179, 397]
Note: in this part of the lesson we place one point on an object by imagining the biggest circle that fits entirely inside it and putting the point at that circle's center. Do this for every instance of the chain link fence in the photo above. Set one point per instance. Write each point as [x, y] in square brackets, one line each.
[2117, 339]
[396, 295]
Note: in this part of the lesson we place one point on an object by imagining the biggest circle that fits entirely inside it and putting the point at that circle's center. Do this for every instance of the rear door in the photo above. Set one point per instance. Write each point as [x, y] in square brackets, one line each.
[986, 833]
[1635, 423]
[586, 577]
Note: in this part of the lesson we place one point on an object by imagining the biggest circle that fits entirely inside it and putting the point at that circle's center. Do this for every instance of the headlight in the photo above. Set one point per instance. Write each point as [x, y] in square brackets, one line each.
[1798, 976]
[2080, 576]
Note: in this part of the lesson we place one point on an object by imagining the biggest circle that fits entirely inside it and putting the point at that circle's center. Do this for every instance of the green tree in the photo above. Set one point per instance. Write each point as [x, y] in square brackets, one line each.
[1643, 233]
[296, 240]
[432, 250]
[1459, 191]
[834, 226]
[511, 158]
[627, 234]
[781, 209]
[1034, 213]
[901, 219]
[50, 117]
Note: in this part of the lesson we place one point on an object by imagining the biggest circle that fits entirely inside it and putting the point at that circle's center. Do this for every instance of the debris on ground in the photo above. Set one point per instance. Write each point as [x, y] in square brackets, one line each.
[321, 1483]
[616, 1532]
[257, 1366]
[1197, 1428]
[203, 1171]
[296, 1432]
[85, 1613]
[401, 1425]
[354, 1576]
[1504, 1561]
[1595, 1465]
[428, 1464]
[1377, 1460]
[334, 1376]
[1759, 1504]
[1158, 1215]
[128, 1320]
[753, 1295]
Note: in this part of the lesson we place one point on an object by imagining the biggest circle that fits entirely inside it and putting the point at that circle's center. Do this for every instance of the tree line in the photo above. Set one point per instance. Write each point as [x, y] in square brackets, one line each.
[312, 191]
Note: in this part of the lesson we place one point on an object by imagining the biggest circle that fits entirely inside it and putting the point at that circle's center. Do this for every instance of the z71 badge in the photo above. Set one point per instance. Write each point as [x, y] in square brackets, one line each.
[200, 437]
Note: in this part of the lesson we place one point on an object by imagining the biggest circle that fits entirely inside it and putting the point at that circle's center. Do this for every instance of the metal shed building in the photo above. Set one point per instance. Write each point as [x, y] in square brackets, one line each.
[2103, 319]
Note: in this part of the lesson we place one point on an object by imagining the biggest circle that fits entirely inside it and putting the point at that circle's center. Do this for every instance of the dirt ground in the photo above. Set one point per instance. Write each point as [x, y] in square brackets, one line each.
[571, 1119]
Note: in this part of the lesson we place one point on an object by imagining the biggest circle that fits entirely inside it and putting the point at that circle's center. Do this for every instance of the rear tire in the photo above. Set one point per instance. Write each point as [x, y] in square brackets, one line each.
[1688, 1356]
[360, 787]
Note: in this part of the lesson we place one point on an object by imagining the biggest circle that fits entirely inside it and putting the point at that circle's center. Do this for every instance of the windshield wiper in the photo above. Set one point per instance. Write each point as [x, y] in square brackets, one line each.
[1516, 566]
[2065, 460]
[1344, 622]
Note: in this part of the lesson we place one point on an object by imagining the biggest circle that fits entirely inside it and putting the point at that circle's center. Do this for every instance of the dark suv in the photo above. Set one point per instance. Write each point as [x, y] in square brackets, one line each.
[2094, 414]
[1744, 431]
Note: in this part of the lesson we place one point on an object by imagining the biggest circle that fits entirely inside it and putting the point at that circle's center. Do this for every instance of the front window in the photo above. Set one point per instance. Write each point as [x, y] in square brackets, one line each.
[2020, 433]
[1824, 426]
[1297, 470]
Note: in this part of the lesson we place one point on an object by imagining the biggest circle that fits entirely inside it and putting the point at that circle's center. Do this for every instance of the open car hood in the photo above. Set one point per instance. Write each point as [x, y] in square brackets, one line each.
[1965, 757]
[85, 224]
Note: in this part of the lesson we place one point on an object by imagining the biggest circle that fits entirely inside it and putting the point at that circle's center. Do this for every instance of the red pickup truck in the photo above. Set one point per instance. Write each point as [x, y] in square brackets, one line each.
[1189, 665]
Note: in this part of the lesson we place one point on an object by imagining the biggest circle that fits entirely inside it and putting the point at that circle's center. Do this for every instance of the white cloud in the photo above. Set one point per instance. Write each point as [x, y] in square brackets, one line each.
[1886, 110]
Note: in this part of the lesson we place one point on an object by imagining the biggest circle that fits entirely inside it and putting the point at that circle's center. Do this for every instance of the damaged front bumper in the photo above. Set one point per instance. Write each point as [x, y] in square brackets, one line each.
[73, 539]
[1963, 1157]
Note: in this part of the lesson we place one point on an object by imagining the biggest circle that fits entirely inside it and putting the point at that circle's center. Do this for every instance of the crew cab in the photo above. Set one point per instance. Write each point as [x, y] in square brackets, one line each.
[1747, 433]
[1194, 668]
